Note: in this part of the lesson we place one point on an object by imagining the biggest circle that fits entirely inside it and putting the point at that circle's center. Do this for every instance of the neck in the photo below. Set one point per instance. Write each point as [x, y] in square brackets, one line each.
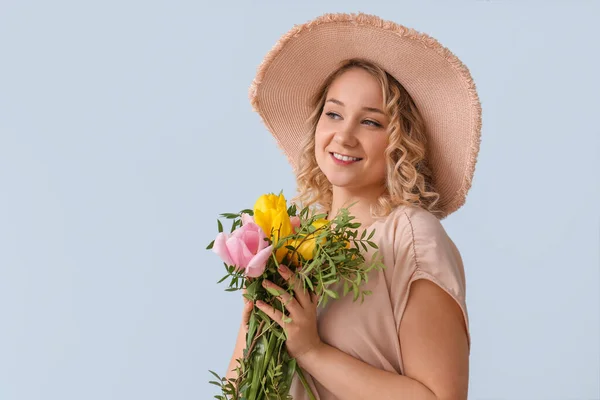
[361, 209]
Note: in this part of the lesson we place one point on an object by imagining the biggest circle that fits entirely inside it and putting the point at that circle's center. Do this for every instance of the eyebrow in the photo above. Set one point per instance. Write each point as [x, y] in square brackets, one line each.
[372, 109]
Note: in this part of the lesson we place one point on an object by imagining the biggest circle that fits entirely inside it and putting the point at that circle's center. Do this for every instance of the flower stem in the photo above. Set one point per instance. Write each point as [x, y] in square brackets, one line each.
[311, 395]
[257, 335]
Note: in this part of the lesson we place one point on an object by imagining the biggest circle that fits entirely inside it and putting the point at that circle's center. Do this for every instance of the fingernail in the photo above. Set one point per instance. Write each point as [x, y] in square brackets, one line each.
[283, 268]
[259, 303]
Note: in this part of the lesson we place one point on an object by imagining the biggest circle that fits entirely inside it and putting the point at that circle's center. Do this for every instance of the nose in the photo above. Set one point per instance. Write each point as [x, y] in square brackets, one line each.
[345, 136]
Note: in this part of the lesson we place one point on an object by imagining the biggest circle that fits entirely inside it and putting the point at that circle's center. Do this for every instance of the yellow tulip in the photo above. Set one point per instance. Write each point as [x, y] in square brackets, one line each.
[305, 245]
[270, 213]
[319, 223]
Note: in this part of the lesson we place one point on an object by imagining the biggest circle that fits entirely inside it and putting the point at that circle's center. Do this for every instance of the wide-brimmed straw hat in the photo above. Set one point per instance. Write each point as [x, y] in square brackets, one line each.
[439, 83]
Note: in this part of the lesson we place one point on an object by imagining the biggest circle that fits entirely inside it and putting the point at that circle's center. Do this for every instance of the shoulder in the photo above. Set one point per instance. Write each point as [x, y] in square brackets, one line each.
[416, 236]
[413, 226]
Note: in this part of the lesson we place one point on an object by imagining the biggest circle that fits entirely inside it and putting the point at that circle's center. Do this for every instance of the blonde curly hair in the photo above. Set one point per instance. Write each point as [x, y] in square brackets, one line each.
[408, 180]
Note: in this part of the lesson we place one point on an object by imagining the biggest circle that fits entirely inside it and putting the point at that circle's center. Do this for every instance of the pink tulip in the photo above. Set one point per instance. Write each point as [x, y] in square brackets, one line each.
[295, 221]
[246, 218]
[245, 248]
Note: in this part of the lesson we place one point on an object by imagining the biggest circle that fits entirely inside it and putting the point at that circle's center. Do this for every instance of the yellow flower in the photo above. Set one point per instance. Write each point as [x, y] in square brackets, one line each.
[305, 245]
[347, 243]
[270, 213]
[319, 223]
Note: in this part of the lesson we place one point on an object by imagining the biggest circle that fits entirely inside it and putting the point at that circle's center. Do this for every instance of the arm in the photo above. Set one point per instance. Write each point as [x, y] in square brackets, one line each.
[435, 354]
[240, 344]
[432, 334]
[349, 378]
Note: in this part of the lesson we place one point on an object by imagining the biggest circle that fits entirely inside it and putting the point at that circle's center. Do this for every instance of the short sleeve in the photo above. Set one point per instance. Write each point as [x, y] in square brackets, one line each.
[423, 250]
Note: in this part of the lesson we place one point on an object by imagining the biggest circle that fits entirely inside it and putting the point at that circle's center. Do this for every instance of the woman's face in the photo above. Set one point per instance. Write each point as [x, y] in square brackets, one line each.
[351, 134]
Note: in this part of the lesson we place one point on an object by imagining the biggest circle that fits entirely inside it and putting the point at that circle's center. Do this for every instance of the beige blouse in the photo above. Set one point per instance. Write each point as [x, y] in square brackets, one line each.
[414, 245]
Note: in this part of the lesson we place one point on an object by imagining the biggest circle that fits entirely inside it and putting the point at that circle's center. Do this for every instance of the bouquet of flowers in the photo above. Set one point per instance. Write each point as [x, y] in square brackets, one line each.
[319, 252]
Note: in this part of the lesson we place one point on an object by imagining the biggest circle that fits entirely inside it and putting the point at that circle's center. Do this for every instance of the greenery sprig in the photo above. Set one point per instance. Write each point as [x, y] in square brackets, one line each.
[335, 267]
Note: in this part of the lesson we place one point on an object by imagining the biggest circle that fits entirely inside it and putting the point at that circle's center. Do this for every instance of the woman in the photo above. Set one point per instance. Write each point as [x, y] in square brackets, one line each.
[372, 113]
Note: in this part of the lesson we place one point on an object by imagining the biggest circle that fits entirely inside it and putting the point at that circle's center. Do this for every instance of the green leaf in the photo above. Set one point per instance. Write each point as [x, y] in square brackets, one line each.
[331, 274]
[272, 342]
[220, 226]
[264, 317]
[331, 293]
[252, 326]
[318, 216]
[288, 372]
[372, 244]
[280, 335]
[234, 225]
[259, 354]
[215, 374]
[310, 284]
[346, 288]
[292, 210]
[355, 290]
[274, 291]
[210, 246]
[310, 267]
[229, 215]
[252, 288]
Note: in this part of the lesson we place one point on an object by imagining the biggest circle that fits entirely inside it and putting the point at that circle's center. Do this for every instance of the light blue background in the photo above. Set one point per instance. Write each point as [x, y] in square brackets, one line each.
[125, 129]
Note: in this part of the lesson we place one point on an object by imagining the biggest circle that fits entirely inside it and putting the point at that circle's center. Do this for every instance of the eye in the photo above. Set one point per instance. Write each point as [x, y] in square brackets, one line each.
[332, 115]
[373, 123]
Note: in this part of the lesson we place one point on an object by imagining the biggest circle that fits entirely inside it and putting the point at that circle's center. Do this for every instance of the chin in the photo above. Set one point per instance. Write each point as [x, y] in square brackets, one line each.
[336, 177]
[341, 180]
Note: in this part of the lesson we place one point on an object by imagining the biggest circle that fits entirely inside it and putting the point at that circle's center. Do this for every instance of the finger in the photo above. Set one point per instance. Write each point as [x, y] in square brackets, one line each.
[246, 312]
[274, 314]
[286, 299]
[289, 277]
[302, 294]
[314, 298]
[246, 315]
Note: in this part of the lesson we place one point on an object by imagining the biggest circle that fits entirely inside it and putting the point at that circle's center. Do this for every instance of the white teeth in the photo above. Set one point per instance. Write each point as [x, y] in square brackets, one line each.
[345, 158]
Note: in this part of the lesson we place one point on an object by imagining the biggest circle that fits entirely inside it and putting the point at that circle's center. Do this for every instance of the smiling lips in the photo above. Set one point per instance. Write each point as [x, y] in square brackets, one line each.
[343, 159]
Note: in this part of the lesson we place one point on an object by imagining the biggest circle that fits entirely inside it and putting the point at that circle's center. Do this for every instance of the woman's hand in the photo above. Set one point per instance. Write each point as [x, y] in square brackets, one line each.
[302, 332]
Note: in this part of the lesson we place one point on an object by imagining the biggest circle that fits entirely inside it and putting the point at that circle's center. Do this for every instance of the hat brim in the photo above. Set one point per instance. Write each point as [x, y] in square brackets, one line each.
[439, 83]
